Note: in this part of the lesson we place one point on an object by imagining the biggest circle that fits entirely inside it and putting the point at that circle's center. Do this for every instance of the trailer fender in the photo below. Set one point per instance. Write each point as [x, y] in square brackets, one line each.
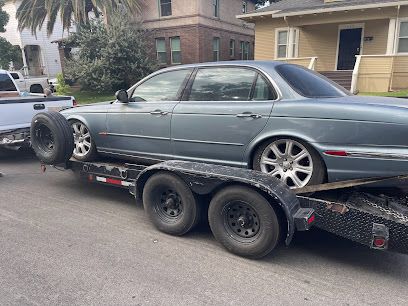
[204, 179]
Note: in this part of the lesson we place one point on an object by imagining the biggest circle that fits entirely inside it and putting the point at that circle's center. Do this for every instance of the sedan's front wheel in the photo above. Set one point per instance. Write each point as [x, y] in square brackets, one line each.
[291, 161]
[84, 146]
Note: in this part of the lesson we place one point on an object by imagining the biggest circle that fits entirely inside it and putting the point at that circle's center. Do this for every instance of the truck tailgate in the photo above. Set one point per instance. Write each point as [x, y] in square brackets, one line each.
[18, 112]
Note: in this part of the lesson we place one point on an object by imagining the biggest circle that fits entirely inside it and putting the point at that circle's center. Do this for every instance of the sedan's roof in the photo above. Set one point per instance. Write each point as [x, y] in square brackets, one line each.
[255, 64]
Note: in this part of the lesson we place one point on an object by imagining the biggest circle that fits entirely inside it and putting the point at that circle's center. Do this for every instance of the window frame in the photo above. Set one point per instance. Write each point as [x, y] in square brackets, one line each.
[165, 50]
[160, 8]
[180, 92]
[275, 93]
[232, 48]
[294, 43]
[398, 37]
[218, 50]
[171, 50]
[216, 8]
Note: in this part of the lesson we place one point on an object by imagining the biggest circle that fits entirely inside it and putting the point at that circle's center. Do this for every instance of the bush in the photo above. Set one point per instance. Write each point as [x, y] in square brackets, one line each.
[110, 57]
[62, 87]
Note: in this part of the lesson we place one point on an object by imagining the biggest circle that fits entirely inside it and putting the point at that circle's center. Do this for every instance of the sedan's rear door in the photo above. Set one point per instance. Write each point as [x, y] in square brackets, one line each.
[224, 109]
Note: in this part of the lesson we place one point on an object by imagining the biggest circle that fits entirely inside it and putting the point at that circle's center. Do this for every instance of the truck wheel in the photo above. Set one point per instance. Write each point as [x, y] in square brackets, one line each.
[51, 138]
[36, 89]
[170, 204]
[244, 222]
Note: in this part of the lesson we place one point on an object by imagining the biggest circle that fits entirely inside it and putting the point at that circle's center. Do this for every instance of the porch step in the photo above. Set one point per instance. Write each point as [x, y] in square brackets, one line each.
[343, 78]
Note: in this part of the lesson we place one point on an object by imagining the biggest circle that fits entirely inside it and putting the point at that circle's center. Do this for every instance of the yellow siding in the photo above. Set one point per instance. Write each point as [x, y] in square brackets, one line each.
[265, 38]
[400, 75]
[378, 29]
[375, 74]
[321, 42]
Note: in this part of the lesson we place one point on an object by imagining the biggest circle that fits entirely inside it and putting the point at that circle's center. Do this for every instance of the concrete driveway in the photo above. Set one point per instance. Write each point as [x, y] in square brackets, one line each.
[66, 242]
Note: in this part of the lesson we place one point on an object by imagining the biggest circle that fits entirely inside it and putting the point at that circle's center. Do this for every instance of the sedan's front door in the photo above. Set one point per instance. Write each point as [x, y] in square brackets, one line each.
[141, 128]
[225, 109]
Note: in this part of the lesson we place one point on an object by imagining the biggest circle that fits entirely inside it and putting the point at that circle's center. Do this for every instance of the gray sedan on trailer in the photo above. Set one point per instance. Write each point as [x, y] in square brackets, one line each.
[274, 117]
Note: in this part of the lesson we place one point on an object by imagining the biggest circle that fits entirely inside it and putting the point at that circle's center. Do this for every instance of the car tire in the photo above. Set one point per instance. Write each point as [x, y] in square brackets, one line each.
[84, 146]
[51, 138]
[170, 204]
[244, 222]
[36, 89]
[318, 168]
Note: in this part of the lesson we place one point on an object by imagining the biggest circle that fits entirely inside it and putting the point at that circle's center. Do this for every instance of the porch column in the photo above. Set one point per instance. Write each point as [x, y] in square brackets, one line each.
[291, 40]
[392, 32]
[25, 66]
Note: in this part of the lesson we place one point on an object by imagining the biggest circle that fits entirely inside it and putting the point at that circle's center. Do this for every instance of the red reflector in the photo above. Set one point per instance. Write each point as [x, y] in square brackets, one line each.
[113, 181]
[336, 153]
[379, 242]
[90, 177]
[74, 103]
[311, 219]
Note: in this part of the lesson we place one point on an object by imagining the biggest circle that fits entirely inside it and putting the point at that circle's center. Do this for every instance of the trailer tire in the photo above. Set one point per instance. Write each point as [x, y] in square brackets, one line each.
[170, 204]
[51, 138]
[244, 222]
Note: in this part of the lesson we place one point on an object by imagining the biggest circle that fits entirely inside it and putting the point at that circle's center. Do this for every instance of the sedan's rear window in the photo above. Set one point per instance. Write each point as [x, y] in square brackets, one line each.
[309, 83]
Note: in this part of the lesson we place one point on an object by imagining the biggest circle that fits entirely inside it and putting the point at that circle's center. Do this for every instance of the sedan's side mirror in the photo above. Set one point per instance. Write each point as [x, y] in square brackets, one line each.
[122, 96]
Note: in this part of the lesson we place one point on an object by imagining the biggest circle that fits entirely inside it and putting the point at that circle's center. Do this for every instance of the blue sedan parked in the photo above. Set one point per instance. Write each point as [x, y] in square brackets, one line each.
[274, 117]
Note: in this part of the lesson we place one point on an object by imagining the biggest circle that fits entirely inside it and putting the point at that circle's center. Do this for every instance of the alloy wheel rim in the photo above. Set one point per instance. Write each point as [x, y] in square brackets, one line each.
[289, 161]
[82, 139]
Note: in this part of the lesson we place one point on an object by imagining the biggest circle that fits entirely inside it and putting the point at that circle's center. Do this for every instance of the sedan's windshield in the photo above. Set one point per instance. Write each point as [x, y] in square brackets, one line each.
[309, 83]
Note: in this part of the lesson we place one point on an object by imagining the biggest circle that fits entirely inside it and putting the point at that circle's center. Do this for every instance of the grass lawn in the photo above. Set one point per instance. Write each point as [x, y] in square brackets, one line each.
[87, 97]
[401, 93]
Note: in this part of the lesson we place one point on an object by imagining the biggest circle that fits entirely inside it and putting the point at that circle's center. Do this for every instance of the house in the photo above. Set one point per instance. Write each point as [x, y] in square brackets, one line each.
[191, 31]
[361, 44]
[40, 56]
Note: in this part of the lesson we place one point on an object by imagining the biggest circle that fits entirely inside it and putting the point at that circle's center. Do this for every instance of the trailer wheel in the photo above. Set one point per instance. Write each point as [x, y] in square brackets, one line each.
[170, 204]
[51, 137]
[244, 222]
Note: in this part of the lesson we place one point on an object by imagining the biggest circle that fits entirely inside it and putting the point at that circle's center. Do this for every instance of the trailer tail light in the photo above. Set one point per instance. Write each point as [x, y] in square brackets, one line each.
[304, 219]
[380, 237]
[74, 103]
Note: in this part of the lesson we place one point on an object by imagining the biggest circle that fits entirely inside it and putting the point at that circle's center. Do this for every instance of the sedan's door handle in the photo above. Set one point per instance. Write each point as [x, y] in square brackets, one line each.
[249, 115]
[158, 112]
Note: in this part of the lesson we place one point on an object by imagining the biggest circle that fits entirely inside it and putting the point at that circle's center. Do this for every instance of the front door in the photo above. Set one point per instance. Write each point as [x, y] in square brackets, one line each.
[349, 47]
[141, 128]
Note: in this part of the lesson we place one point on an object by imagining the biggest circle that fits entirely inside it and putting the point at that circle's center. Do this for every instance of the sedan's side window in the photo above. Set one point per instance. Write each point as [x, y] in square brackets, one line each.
[262, 91]
[162, 87]
[222, 84]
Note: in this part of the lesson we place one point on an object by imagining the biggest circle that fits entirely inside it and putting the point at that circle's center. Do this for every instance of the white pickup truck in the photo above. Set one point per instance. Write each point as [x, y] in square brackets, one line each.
[28, 84]
[16, 111]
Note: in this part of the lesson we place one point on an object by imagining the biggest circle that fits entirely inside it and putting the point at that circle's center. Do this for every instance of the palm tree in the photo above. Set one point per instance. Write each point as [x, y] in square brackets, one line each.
[32, 14]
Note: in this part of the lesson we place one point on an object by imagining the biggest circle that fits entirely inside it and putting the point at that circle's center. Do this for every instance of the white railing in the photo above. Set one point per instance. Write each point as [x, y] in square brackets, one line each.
[354, 78]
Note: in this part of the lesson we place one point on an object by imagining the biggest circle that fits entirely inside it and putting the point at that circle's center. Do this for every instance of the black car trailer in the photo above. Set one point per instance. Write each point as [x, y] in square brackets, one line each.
[249, 212]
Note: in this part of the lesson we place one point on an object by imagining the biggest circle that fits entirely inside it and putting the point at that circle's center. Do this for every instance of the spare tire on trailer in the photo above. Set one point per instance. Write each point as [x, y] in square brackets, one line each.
[52, 138]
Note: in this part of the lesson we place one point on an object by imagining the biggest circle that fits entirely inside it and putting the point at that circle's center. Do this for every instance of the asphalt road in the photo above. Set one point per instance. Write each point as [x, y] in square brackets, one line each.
[66, 242]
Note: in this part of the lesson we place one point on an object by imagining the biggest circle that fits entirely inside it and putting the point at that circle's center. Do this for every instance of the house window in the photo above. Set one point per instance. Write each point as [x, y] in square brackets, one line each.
[165, 8]
[244, 50]
[287, 43]
[232, 48]
[244, 7]
[216, 49]
[282, 43]
[403, 38]
[216, 8]
[161, 50]
[175, 50]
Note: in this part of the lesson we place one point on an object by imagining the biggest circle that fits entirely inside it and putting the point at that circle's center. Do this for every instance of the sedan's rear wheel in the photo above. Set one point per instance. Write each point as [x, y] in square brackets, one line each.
[84, 146]
[291, 161]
